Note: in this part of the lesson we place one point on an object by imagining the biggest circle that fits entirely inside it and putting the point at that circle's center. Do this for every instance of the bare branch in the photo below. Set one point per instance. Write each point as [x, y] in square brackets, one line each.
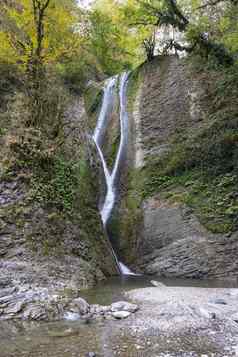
[46, 5]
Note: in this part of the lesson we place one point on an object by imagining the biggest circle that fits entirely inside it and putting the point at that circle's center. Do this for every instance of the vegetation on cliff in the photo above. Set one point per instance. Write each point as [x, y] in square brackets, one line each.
[50, 52]
[48, 166]
[201, 167]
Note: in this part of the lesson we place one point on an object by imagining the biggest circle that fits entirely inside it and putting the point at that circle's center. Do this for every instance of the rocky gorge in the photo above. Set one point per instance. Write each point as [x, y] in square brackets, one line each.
[170, 321]
[173, 217]
[167, 225]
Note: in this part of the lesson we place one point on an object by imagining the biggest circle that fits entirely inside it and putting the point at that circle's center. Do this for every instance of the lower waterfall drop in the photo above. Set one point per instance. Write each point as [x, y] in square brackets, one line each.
[112, 179]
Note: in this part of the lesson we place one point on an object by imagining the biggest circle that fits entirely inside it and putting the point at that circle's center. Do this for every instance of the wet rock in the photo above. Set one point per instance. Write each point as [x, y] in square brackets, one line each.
[31, 305]
[124, 306]
[121, 314]
[7, 291]
[35, 312]
[5, 245]
[157, 283]
[5, 282]
[234, 293]
[71, 316]
[38, 304]
[207, 314]
[99, 309]
[13, 307]
[79, 306]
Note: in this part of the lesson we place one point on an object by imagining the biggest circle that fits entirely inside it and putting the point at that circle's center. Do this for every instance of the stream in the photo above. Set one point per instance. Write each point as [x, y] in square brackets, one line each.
[104, 338]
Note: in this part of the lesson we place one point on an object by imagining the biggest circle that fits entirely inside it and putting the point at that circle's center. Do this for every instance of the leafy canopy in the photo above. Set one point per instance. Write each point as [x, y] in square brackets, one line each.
[18, 35]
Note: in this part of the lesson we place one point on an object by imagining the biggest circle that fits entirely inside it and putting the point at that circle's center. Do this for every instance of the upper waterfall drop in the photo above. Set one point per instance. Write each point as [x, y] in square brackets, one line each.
[99, 134]
[112, 179]
[106, 110]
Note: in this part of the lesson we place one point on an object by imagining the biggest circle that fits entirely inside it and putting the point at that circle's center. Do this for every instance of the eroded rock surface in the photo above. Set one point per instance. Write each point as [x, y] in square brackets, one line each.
[168, 239]
[50, 305]
[174, 244]
[44, 249]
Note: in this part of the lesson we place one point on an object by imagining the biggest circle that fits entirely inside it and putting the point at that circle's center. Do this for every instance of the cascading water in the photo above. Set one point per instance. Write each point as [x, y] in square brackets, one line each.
[112, 179]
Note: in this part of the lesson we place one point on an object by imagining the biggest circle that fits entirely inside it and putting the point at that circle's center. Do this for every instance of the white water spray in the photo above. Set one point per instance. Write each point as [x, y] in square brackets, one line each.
[112, 179]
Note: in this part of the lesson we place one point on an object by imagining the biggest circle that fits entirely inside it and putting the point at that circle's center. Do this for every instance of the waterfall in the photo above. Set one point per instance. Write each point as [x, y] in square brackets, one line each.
[112, 179]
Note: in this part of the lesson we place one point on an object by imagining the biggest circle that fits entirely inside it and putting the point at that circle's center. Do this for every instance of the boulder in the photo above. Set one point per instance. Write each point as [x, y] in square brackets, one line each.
[157, 283]
[121, 314]
[79, 306]
[99, 309]
[35, 312]
[124, 306]
[7, 291]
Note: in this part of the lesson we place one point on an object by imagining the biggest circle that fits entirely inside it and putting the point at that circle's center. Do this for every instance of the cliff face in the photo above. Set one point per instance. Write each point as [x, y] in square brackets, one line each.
[182, 221]
[51, 236]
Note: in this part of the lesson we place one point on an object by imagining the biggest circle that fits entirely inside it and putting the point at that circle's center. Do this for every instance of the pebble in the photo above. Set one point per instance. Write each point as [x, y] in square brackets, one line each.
[157, 283]
[219, 301]
[121, 314]
[235, 317]
[123, 306]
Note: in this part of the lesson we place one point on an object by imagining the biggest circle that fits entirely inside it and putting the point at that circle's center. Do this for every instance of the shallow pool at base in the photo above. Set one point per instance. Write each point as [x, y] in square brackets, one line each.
[113, 289]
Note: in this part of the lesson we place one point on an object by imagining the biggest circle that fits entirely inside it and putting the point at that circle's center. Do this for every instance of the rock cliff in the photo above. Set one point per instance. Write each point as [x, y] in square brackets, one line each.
[176, 217]
[51, 236]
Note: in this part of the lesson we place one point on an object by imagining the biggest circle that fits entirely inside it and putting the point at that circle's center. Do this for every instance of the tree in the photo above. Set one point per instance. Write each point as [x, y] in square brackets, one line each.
[39, 11]
[109, 40]
[36, 35]
[190, 18]
[37, 32]
[149, 45]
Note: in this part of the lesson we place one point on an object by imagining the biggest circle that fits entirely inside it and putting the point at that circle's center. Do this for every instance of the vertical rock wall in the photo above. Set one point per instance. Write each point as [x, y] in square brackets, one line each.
[160, 235]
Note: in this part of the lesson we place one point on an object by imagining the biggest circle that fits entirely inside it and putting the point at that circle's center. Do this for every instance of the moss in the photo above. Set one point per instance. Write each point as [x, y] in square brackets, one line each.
[125, 224]
[57, 184]
[135, 80]
[56, 176]
[53, 216]
[213, 199]
[93, 98]
[111, 156]
[201, 168]
[132, 215]
[126, 221]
